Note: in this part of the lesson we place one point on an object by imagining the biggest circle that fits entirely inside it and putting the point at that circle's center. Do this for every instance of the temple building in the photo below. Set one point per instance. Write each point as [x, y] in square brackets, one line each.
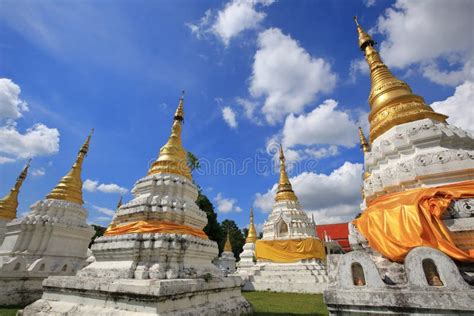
[289, 257]
[414, 240]
[154, 257]
[9, 204]
[52, 239]
[247, 257]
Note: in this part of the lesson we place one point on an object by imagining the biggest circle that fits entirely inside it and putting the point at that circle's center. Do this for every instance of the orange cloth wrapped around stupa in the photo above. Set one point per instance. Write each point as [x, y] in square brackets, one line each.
[395, 223]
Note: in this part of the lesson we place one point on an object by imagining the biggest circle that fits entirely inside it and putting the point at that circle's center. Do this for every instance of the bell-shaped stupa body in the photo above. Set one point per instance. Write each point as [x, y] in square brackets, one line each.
[154, 255]
[52, 239]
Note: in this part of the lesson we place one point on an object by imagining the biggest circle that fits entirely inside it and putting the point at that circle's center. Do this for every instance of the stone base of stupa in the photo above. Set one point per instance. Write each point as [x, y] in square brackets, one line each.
[96, 296]
[51, 239]
[307, 276]
[408, 293]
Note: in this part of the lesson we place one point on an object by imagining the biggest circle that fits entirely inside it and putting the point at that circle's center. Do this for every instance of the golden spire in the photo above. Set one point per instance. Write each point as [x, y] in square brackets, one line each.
[9, 203]
[172, 157]
[285, 191]
[228, 245]
[252, 234]
[391, 100]
[119, 204]
[363, 141]
[70, 186]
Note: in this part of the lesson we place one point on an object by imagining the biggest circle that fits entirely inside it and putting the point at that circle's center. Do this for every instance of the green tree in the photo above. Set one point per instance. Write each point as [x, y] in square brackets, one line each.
[99, 231]
[236, 236]
[213, 230]
[192, 161]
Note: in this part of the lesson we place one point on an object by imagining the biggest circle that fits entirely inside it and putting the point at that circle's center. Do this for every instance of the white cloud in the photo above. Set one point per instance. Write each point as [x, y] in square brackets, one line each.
[11, 106]
[358, 66]
[38, 140]
[459, 107]
[332, 198]
[229, 117]
[225, 205]
[286, 75]
[324, 125]
[249, 108]
[104, 210]
[38, 172]
[425, 32]
[6, 160]
[199, 29]
[93, 186]
[369, 3]
[236, 17]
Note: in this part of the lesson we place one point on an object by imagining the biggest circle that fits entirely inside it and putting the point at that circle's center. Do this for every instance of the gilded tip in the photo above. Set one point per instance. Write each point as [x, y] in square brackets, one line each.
[282, 155]
[356, 21]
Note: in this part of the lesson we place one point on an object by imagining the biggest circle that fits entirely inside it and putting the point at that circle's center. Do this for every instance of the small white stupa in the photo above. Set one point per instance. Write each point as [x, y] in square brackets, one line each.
[226, 262]
[52, 239]
[154, 258]
[289, 257]
[247, 257]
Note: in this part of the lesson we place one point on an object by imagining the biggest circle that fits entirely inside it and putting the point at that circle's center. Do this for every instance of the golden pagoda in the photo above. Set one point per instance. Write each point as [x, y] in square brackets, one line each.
[9, 204]
[285, 190]
[252, 234]
[173, 157]
[228, 245]
[70, 187]
[391, 100]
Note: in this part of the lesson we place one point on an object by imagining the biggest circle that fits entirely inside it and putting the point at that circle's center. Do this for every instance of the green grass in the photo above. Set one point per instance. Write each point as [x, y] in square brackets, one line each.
[271, 303]
[9, 310]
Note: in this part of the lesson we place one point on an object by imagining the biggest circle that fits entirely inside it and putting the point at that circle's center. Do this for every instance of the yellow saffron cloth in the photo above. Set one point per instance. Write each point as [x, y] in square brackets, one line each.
[290, 250]
[395, 223]
[155, 226]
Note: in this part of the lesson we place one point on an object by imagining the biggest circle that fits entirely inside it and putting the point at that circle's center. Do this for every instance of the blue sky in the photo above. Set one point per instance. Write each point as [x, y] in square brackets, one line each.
[256, 73]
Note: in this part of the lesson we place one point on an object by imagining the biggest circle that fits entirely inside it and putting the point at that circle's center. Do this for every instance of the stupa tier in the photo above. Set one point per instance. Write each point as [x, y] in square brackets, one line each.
[414, 241]
[289, 256]
[52, 239]
[154, 257]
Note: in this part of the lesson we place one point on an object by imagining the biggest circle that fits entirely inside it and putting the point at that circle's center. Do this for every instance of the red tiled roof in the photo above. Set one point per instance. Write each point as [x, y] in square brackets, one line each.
[337, 232]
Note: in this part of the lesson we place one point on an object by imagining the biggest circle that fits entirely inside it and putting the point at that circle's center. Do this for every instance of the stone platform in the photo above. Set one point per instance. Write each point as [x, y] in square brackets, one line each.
[177, 297]
[298, 277]
[356, 286]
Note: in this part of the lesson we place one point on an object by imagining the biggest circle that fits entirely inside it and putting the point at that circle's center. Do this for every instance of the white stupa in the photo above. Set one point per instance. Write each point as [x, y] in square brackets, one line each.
[154, 258]
[279, 265]
[414, 241]
[52, 239]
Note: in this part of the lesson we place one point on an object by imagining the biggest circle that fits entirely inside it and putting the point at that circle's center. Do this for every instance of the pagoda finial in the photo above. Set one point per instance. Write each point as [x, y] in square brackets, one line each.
[228, 245]
[252, 234]
[391, 100]
[69, 187]
[172, 157]
[9, 204]
[285, 190]
[119, 204]
[363, 141]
